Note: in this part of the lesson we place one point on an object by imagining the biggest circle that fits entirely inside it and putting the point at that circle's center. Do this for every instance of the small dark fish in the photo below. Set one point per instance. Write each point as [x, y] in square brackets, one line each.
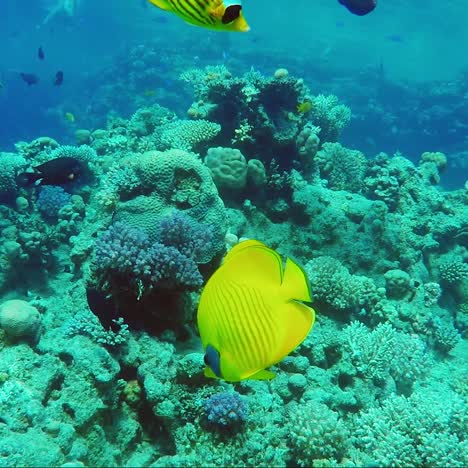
[29, 78]
[394, 38]
[58, 171]
[359, 7]
[40, 53]
[58, 78]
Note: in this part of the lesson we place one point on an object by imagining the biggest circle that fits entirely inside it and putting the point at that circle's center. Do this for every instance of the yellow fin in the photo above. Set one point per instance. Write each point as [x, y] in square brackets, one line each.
[210, 374]
[253, 262]
[242, 246]
[262, 375]
[163, 4]
[296, 320]
[295, 283]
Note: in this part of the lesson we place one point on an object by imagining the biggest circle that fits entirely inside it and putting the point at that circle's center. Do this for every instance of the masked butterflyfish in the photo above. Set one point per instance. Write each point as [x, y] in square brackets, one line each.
[252, 313]
[212, 14]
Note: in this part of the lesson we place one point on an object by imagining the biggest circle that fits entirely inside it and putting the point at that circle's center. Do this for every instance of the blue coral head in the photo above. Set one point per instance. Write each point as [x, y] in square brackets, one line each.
[226, 410]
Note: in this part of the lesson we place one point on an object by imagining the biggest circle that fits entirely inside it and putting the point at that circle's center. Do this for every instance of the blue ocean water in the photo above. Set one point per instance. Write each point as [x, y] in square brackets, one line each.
[338, 141]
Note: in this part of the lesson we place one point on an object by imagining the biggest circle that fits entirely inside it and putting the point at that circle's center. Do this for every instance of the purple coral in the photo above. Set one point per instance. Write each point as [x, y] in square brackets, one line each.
[226, 409]
[128, 252]
[51, 200]
[187, 236]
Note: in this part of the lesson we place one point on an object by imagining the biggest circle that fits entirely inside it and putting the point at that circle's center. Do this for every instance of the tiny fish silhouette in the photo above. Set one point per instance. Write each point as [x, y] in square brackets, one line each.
[29, 78]
[58, 78]
[40, 53]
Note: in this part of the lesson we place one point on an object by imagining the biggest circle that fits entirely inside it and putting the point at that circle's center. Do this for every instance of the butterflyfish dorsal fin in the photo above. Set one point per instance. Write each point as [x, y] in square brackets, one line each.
[252, 259]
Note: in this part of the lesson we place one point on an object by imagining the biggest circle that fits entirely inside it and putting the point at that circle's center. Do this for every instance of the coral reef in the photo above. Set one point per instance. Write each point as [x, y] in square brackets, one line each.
[100, 363]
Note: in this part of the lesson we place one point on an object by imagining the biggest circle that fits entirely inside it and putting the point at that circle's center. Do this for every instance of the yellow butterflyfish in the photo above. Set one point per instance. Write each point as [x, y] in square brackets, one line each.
[304, 107]
[252, 313]
[212, 14]
[70, 117]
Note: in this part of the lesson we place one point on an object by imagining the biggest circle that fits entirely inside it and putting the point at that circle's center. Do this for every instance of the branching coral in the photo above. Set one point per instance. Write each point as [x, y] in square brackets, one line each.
[316, 433]
[385, 352]
[342, 167]
[331, 116]
[126, 253]
[423, 429]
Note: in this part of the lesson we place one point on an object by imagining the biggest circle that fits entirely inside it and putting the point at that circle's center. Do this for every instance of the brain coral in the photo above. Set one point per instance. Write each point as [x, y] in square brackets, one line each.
[228, 167]
[19, 319]
[173, 179]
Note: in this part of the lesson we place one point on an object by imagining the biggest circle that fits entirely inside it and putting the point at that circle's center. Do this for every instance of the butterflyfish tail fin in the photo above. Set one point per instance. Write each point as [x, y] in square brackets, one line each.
[295, 284]
[296, 319]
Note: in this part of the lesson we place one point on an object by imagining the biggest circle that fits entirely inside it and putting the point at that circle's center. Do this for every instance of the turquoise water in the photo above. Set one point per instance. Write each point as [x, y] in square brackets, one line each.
[338, 141]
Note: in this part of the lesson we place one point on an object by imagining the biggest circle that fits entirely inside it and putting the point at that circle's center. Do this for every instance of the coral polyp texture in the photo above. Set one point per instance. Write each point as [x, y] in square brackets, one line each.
[100, 359]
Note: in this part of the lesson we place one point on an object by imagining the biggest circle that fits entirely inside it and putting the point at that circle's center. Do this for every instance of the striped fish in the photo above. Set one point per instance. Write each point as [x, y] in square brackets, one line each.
[211, 14]
[251, 313]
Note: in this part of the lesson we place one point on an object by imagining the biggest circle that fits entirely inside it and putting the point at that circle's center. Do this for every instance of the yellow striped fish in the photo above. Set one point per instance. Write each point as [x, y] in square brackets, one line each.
[212, 14]
[251, 313]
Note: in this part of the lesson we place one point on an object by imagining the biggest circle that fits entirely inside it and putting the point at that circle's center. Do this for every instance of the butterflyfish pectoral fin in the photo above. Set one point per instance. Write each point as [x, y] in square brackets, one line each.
[295, 284]
[263, 375]
[163, 4]
[210, 374]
